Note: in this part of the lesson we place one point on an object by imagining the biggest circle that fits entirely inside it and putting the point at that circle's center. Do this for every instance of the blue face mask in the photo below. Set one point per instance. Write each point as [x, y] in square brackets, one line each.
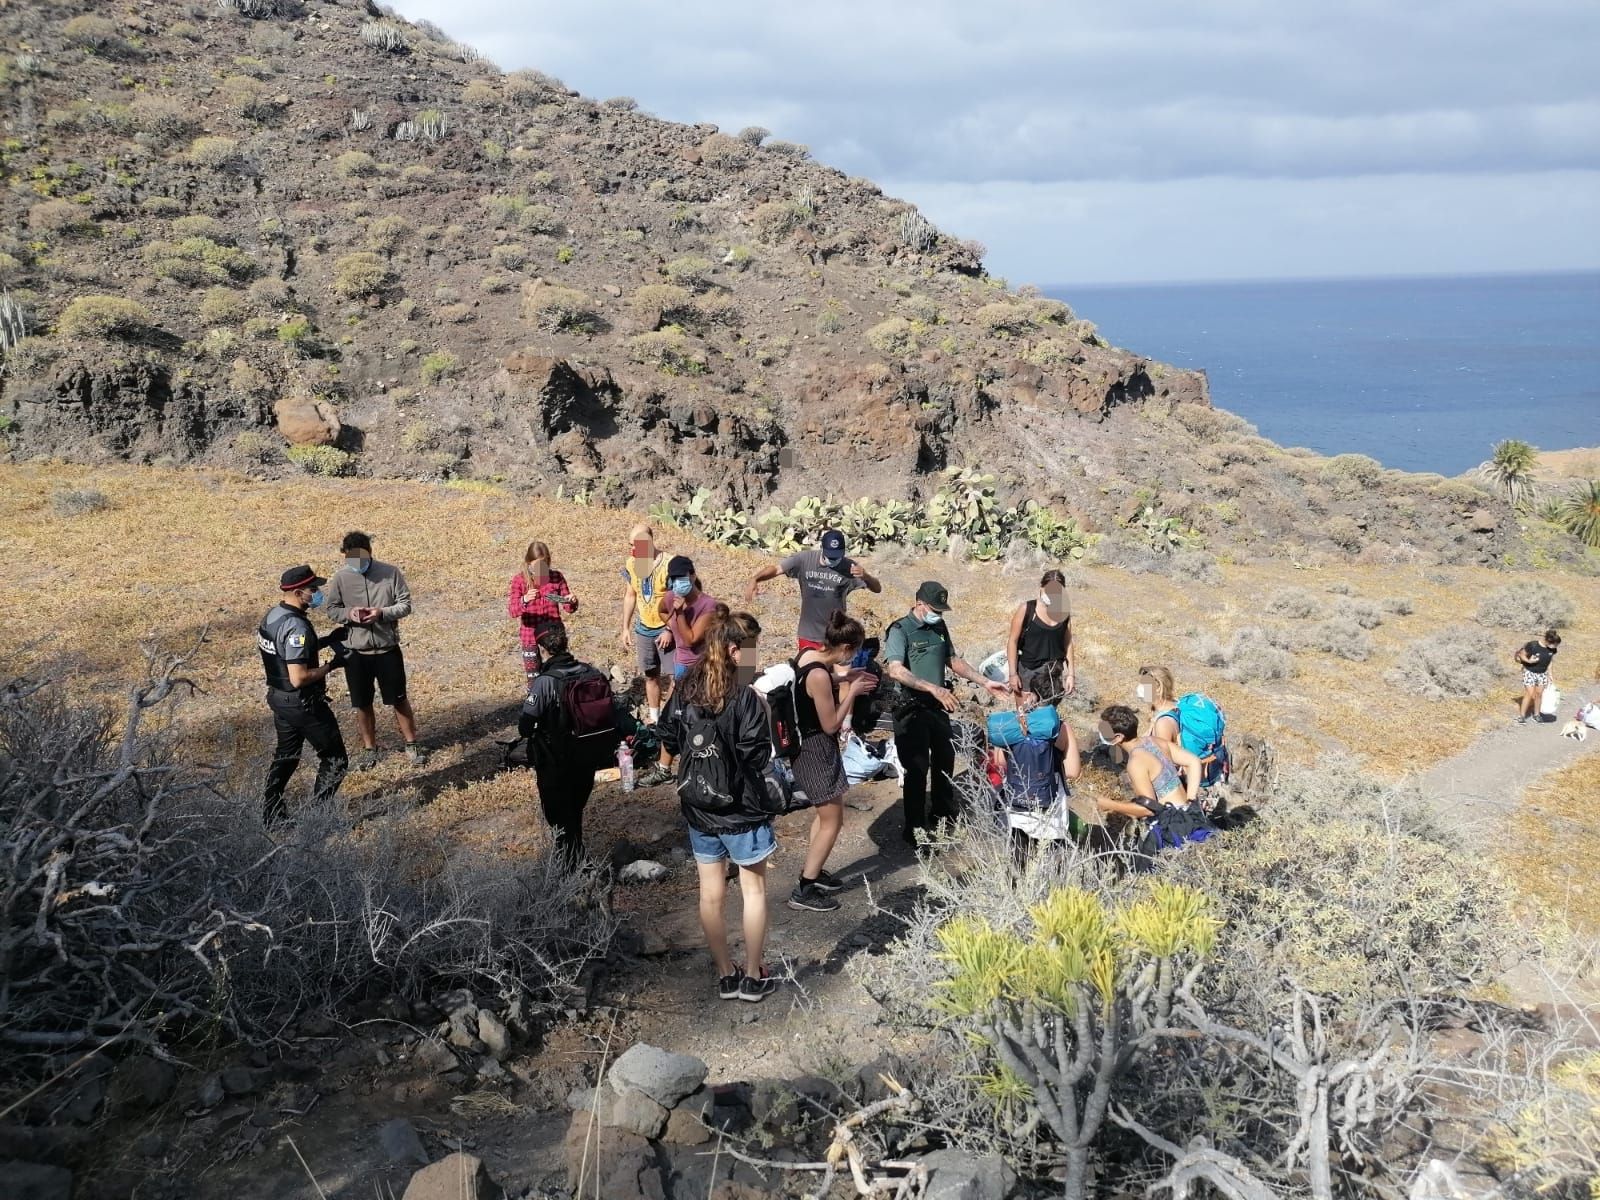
[316, 598]
[831, 562]
[358, 565]
[932, 618]
[682, 587]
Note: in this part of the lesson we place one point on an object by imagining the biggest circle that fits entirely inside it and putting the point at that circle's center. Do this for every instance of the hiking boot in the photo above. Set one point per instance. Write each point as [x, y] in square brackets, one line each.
[828, 882]
[654, 777]
[366, 760]
[756, 988]
[415, 754]
[808, 895]
[728, 985]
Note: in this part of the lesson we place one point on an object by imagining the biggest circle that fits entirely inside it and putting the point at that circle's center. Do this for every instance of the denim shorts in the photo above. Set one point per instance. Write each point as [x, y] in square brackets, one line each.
[747, 847]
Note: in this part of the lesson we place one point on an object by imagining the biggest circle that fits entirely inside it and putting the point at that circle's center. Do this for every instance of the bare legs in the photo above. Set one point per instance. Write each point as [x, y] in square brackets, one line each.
[713, 891]
[826, 822]
[404, 718]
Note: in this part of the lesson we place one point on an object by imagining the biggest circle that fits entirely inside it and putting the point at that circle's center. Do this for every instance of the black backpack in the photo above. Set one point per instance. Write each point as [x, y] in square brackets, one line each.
[706, 770]
[783, 712]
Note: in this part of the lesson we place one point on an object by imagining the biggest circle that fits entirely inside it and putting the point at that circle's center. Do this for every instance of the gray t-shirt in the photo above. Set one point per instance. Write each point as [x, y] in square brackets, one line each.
[822, 589]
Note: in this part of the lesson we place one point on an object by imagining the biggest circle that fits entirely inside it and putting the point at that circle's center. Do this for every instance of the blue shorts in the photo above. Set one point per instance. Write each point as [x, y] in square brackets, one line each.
[747, 848]
[679, 670]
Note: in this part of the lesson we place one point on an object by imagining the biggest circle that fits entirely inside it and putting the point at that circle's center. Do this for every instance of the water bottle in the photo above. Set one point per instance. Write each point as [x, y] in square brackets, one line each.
[625, 766]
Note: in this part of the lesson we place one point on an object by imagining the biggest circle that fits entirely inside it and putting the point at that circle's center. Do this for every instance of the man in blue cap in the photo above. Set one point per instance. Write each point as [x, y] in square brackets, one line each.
[297, 691]
[825, 576]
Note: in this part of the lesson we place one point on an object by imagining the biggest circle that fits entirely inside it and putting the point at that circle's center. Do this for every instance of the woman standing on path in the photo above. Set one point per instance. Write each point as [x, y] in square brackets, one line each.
[718, 724]
[1039, 651]
[536, 600]
[820, 711]
[1536, 658]
[690, 615]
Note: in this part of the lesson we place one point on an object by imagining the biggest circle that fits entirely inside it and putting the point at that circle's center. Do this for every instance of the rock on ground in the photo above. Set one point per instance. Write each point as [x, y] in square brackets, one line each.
[456, 1177]
[402, 1143]
[613, 1163]
[663, 1076]
[953, 1175]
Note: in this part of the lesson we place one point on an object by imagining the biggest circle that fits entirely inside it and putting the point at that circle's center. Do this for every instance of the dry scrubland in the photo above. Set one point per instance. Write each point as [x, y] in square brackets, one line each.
[174, 552]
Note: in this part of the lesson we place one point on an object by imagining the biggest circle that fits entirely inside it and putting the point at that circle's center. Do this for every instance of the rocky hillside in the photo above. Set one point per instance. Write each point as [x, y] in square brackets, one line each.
[314, 236]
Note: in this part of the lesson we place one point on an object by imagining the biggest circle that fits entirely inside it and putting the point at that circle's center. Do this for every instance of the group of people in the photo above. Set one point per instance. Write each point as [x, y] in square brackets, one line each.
[699, 662]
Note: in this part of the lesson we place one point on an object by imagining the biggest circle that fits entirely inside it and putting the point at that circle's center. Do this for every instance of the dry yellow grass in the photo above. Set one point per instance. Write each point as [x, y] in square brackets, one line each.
[1555, 851]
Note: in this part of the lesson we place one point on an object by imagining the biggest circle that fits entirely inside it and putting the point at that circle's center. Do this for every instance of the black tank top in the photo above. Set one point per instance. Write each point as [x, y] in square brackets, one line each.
[805, 708]
[1041, 644]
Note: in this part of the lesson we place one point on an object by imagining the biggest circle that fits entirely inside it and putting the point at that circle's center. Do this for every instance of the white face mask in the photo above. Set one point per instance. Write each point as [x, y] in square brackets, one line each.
[1046, 600]
[1144, 692]
[1104, 740]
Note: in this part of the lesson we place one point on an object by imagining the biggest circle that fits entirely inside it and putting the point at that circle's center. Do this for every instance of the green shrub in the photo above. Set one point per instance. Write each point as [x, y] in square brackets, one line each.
[509, 256]
[202, 227]
[247, 97]
[438, 366]
[214, 152]
[199, 260]
[774, 220]
[385, 234]
[495, 284]
[255, 446]
[103, 316]
[831, 317]
[1005, 319]
[667, 350]
[296, 332]
[359, 275]
[739, 258]
[355, 164]
[419, 437]
[896, 337]
[1578, 512]
[480, 93]
[557, 308]
[322, 460]
[690, 271]
[96, 33]
[539, 218]
[661, 302]
[223, 306]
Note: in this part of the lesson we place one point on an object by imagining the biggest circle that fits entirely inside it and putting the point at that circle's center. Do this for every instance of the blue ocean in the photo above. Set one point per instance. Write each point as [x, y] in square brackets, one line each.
[1421, 374]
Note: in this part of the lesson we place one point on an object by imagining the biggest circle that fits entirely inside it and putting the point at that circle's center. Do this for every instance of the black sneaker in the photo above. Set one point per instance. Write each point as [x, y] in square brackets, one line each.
[728, 985]
[827, 882]
[756, 989]
[809, 896]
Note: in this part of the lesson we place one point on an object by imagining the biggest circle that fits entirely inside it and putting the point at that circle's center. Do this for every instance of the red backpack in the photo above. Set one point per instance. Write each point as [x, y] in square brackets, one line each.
[589, 712]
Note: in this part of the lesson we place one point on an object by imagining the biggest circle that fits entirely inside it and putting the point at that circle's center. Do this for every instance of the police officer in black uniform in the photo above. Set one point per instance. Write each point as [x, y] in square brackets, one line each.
[297, 691]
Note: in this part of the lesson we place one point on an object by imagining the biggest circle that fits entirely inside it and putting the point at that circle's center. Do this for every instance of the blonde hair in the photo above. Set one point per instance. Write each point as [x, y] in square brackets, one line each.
[1166, 689]
[710, 682]
[639, 532]
[536, 550]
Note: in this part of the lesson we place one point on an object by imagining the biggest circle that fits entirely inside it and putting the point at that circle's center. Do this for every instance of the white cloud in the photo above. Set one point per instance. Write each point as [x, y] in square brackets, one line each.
[1319, 103]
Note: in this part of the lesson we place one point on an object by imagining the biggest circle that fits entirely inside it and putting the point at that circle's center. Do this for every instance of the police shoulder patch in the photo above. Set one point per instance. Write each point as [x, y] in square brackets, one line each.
[297, 640]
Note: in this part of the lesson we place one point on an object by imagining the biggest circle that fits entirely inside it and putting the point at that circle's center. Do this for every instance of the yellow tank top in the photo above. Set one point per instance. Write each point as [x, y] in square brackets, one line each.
[648, 589]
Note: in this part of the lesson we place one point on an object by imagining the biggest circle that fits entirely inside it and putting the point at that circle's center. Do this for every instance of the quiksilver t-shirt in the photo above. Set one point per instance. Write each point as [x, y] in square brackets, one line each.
[822, 589]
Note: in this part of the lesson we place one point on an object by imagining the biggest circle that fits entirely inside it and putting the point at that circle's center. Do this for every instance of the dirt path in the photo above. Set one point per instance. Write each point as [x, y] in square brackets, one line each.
[1490, 777]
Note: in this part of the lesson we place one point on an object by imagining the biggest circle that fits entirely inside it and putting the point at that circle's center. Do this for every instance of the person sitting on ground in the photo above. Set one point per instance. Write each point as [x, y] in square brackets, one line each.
[564, 784]
[1039, 650]
[1152, 767]
[689, 614]
[821, 709]
[644, 628]
[1536, 658]
[1032, 781]
[825, 577]
[536, 600]
[1157, 690]
[717, 724]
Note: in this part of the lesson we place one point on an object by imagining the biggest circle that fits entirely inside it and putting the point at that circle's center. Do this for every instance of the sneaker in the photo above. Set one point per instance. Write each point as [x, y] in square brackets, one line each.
[654, 777]
[416, 754]
[1523, 720]
[828, 882]
[808, 895]
[728, 987]
[756, 988]
[366, 760]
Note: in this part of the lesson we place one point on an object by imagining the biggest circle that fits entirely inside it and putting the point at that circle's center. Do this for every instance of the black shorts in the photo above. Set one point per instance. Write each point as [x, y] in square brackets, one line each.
[385, 672]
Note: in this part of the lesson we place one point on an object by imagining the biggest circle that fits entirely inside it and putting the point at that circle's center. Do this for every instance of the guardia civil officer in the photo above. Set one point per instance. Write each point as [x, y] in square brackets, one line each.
[297, 690]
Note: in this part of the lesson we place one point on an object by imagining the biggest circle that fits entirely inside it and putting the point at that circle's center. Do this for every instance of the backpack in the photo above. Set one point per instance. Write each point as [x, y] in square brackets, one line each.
[589, 717]
[1031, 775]
[1201, 730]
[1171, 827]
[1010, 728]
[706, 769]
[780, 792]
[777, 686]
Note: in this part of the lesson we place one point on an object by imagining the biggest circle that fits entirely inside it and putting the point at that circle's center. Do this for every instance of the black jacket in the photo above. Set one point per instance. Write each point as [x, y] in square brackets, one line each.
[543, 720]
[745, 728]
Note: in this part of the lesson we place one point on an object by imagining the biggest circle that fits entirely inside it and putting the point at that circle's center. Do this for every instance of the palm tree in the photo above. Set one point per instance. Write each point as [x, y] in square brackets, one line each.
[1510, 469]
[1580, 513]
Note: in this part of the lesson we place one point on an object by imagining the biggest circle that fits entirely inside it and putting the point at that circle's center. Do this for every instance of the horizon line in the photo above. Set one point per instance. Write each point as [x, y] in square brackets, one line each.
[1404, 277]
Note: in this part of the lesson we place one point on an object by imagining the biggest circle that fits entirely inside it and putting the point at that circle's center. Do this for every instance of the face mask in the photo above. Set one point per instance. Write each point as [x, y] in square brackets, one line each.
[316, 598]
[358, 565]
[1104, 740]
[1044, 599]
[932, 618]
[682, 587]
[1143, 691]
[831, 562]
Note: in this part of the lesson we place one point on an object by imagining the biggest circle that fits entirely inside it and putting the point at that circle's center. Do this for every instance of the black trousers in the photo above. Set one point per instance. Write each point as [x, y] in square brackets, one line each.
[298, 722]
[563, 794]
[922, 740]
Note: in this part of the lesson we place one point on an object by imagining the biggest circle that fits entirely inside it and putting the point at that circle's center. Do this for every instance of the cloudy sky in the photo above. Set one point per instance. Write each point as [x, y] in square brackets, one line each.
[1138, 140]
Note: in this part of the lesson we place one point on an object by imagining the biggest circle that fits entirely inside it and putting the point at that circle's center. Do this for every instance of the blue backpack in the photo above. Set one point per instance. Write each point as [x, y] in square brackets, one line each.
[1202, 730]
[1007, 729]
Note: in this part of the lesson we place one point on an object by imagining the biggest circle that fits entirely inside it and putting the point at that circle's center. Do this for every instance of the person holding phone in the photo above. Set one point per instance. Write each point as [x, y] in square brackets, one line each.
[644, 626]
[537, 600]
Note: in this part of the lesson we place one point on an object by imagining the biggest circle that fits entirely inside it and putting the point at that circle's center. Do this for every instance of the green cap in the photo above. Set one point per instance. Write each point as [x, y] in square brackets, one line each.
[934, 595]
